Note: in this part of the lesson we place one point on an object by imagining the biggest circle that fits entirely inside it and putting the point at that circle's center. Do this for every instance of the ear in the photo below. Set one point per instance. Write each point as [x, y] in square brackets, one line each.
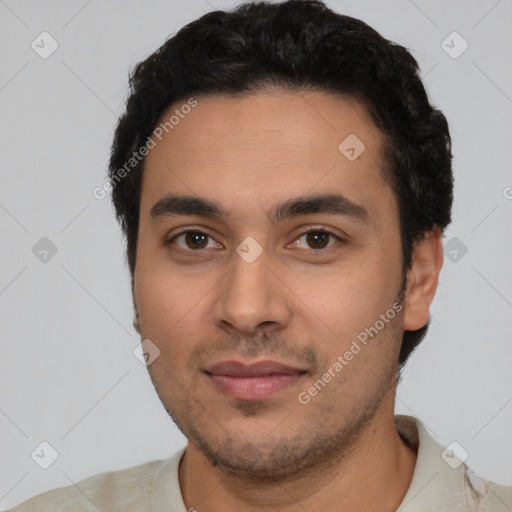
[422, 278]
[136, 324]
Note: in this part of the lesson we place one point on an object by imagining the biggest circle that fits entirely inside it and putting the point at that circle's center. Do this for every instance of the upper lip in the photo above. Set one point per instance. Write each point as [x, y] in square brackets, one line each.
[261, 368]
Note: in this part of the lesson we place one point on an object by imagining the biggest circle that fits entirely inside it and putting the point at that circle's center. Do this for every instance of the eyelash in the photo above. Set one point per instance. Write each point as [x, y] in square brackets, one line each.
[199, 231]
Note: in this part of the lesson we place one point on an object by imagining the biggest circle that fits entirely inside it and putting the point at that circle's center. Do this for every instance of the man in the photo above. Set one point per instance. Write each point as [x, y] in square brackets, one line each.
[283, 184]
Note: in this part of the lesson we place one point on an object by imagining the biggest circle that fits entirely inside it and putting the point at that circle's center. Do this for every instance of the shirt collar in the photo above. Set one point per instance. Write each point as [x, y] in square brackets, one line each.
[435, 484]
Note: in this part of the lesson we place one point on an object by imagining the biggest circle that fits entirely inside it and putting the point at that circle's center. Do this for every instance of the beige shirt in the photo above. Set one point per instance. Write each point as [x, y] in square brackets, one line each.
[437, 485]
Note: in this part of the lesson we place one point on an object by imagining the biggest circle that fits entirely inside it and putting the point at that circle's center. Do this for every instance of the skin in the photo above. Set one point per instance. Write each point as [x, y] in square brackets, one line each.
[295, 303]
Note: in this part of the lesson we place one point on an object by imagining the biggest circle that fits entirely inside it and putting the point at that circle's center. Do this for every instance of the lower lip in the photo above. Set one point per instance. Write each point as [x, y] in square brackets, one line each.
[254, 388]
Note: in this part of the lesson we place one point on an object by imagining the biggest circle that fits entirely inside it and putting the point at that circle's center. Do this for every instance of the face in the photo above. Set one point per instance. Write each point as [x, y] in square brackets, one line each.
[262, 240]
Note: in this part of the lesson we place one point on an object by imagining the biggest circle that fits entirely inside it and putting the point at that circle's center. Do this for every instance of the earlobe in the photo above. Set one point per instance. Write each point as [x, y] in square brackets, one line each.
[136, 324]
[422, 278]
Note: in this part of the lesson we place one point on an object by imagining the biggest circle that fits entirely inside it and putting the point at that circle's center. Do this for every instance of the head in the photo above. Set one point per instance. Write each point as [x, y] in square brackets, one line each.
[258, 126]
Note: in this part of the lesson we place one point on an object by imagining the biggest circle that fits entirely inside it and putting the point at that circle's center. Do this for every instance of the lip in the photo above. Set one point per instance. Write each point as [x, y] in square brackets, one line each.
[256, 381]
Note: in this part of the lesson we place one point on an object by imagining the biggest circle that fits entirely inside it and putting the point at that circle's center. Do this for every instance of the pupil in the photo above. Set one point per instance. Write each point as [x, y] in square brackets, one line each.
[195, 239]
[318, 238]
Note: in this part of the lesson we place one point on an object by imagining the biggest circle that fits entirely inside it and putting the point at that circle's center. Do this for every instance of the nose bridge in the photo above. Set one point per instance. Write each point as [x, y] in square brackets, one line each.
[251, 295]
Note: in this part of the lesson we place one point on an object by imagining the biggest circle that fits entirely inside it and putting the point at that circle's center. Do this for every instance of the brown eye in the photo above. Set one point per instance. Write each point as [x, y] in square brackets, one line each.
[192, 240]
[196, 240]
[318, 239]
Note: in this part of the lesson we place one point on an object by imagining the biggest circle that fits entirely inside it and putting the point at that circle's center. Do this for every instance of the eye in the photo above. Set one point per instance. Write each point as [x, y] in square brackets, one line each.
[318, 239]
[192, 240]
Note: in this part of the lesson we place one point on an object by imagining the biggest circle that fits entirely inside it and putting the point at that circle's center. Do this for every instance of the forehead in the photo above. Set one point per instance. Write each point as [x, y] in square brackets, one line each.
[269, 144]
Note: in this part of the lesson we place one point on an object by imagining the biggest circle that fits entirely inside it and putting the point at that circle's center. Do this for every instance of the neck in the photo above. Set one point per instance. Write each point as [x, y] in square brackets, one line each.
[373, 474]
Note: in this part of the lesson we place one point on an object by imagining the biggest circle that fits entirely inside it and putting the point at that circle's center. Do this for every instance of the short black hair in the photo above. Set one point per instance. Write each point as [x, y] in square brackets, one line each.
[296, 45]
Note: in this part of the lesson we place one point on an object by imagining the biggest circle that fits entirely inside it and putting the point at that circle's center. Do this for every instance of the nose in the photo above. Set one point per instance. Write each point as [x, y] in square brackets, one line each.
[252, 298]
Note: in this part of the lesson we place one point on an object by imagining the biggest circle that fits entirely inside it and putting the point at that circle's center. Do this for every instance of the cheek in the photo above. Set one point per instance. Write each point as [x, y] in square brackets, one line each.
[163, 303]
[167, 318]
[172, 305]
[350, 299]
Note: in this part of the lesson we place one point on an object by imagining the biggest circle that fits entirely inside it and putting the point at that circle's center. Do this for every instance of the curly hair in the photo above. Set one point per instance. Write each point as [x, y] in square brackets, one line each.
[296, 45]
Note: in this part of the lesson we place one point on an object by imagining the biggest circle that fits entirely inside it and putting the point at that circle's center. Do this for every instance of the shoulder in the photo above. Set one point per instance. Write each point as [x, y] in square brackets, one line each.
[124, 490]
[483, 495]
[442, 478]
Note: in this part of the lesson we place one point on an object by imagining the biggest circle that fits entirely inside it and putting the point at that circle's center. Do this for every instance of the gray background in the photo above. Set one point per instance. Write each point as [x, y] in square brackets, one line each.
[67, 370]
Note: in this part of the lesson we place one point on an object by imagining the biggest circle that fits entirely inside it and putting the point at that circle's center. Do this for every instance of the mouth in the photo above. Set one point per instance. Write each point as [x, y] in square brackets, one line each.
[256, 381]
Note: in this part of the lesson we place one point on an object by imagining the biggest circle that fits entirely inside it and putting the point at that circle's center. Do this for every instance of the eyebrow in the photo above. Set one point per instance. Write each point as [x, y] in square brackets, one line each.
[332, 204]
